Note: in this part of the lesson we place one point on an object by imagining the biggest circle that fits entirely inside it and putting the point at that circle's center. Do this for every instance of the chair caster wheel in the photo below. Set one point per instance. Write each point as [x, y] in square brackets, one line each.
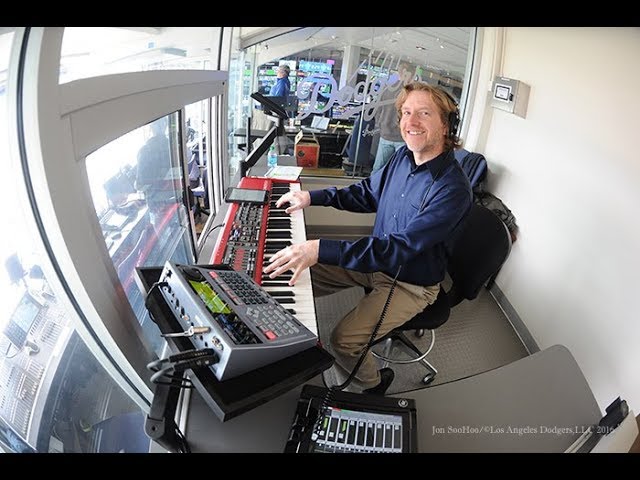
[428, 379]
[420, 332]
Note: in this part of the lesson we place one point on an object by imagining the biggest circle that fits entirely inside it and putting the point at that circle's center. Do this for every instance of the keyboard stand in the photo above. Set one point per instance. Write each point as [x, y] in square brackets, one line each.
[240, 394]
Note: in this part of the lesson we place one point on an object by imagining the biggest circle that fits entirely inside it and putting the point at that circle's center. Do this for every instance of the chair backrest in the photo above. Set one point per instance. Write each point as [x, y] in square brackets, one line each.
[474, 165]
[479, 251]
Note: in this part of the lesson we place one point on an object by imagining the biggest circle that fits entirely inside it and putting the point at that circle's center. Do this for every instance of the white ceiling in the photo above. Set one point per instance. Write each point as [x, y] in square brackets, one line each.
[444, 49]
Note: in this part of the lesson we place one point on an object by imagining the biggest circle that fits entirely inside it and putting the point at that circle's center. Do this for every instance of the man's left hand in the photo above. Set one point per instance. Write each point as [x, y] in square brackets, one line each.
[295, 258]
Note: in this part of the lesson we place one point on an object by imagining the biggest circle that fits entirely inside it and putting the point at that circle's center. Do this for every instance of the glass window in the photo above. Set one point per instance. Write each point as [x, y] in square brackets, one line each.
[93, 51]
[137, 190]
[241, 85]
[54, 395]
[348, 75]
[197, 115]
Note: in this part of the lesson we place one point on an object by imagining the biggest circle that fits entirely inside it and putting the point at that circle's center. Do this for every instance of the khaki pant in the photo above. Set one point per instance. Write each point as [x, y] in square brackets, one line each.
[351, 335]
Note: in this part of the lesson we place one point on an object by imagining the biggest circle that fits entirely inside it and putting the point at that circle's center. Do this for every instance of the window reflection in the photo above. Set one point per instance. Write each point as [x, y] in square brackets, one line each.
[351, 77]
[54, 395]
[94, 51]
[136, 186]
[196, 116]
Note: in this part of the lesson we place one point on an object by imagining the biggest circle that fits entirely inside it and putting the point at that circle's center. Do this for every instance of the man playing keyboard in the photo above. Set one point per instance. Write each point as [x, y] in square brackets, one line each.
[421, 198]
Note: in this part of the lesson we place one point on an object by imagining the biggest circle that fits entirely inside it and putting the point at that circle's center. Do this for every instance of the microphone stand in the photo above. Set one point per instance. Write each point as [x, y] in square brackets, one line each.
[160, 423]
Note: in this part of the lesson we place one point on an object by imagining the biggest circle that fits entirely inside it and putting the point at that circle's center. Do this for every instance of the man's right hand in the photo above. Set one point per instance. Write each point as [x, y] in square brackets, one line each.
[296, 200]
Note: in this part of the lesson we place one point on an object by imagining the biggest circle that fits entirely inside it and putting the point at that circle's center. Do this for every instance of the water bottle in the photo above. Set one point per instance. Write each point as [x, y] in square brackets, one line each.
[272, 157]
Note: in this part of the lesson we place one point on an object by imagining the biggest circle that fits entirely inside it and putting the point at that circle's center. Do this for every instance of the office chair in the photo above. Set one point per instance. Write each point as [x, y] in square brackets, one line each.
[479, 252]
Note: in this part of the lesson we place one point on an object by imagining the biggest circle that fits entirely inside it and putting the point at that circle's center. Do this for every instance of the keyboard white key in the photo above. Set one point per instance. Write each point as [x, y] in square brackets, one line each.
[282, 230]
[303, 299]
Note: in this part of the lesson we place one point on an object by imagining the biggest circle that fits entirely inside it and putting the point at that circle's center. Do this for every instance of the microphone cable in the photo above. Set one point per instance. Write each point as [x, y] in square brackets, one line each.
[190, 359]
[329, 394]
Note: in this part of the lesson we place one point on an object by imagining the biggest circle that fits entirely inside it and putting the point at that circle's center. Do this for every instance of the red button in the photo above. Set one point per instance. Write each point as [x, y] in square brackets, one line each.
[270, 335]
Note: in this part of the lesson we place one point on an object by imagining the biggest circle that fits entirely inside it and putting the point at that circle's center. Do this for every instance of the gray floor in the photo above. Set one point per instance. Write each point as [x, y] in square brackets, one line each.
[476, 338]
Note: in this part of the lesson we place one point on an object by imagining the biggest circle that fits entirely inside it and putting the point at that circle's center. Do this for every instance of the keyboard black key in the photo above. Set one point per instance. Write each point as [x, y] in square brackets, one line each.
[285, 276]
[282, 293]
[278, 243]
[279, 224]
[279, 234]
[285, 300]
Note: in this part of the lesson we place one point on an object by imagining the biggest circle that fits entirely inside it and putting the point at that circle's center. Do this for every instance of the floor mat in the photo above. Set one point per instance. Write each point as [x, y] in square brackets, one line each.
[476, 338]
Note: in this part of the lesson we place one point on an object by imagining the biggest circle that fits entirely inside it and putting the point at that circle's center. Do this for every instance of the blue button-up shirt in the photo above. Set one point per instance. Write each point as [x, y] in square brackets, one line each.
[420, 210]
[281, 88]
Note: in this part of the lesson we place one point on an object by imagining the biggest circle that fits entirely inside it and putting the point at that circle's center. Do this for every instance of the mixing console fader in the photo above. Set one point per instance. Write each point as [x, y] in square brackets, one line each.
[343, 422]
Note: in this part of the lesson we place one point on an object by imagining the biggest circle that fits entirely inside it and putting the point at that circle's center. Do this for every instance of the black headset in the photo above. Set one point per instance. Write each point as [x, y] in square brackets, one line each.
[454, 116]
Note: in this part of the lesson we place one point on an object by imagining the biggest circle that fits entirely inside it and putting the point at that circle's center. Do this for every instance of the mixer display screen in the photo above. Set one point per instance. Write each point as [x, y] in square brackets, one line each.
[210, 298]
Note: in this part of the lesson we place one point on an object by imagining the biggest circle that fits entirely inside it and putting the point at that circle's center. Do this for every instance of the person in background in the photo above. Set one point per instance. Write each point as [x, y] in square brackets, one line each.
[421, 199]
[259, 121]
[387, 120]
[154, 164]
[283, 85]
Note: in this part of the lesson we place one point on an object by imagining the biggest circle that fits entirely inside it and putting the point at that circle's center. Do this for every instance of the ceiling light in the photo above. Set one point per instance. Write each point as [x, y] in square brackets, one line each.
[420, 47]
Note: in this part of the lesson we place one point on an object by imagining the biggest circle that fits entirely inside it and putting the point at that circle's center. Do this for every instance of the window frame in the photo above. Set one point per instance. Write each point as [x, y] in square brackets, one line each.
[52, 128]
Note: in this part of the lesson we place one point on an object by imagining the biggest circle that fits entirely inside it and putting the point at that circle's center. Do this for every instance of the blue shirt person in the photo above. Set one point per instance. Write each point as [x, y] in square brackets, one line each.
[283, 85]
[417, 207]
[421, 198]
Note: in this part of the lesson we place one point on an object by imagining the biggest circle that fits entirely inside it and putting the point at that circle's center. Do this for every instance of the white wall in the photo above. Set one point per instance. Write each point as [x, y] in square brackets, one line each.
[570, 172]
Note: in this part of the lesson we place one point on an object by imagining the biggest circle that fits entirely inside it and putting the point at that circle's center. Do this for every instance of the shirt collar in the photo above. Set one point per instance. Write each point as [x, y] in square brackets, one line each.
[435, 165]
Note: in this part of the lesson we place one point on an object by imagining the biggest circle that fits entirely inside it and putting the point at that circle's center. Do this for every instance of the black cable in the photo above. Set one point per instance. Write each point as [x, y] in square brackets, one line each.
[163, 369]
[328, 397]
[161, 376]
[185, 360]
[178, 363]
[211, 230]
[147, 298]
[184, 445]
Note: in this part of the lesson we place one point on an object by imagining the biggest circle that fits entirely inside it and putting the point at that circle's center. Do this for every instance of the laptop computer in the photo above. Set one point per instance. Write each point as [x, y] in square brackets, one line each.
[318, 124]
